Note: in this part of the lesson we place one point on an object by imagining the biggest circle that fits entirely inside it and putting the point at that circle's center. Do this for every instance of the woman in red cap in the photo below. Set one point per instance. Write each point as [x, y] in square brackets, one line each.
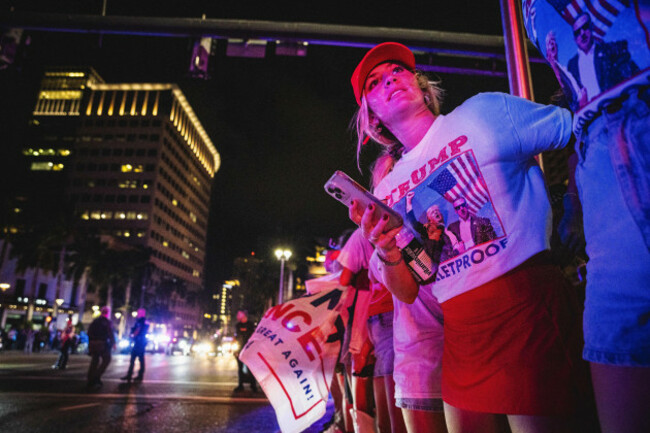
[511, 333]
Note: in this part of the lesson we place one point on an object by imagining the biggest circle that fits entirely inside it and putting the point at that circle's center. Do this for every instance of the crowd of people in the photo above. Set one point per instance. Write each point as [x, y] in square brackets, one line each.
[99, 342]
[47, 338]
[501, 340]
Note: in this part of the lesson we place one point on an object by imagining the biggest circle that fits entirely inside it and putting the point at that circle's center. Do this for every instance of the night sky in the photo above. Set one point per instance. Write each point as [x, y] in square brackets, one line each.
[279, 123]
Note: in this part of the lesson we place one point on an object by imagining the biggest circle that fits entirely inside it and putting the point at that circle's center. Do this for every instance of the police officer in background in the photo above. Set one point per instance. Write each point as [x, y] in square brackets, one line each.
[139, 338]
[243, 331]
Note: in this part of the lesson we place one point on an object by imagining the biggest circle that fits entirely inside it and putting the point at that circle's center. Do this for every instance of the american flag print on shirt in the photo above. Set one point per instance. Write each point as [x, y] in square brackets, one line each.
[603, 12]
[462, 178]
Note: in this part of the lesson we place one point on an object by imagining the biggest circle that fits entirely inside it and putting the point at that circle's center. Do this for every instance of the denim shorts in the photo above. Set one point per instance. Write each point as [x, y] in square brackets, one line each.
[613, 175]
[380, 332]
[425, 404]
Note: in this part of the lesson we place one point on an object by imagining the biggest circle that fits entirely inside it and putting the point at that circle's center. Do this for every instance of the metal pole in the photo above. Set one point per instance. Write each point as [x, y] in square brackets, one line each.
[521, 83]
[450, 43]
[281, 290]
[516, 52]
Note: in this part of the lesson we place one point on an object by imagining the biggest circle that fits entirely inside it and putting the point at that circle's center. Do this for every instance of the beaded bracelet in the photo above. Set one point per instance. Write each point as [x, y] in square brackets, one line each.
[389, 263]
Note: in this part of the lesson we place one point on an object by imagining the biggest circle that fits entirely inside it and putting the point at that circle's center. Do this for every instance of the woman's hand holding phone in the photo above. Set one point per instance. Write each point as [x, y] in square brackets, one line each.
[374, 228]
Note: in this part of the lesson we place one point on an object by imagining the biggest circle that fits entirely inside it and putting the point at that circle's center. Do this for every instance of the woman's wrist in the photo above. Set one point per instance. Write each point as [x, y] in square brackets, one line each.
[390, 258]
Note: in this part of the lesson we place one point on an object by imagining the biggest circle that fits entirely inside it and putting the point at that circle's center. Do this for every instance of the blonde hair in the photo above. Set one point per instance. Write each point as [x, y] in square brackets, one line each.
[391, 148]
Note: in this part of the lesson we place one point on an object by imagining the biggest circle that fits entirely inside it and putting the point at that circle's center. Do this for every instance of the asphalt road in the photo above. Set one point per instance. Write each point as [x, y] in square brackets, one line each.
[179, 394]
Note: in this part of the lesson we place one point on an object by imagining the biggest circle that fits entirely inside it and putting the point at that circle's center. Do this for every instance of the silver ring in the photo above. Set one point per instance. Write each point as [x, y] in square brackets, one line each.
[373, 239]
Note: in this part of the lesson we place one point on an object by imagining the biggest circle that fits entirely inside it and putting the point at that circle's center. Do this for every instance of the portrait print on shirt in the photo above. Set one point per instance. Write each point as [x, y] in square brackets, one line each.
[450, 212]
[598, 45]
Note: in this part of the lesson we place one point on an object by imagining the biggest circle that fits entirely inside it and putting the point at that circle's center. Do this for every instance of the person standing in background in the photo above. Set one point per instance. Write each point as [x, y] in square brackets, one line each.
[101, 340]
[67, 341]
[243, 331]
[610, 56]
[139, 340]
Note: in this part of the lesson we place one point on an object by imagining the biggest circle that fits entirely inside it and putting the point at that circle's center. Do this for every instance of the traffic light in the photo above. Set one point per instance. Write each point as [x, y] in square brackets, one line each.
[200, 58]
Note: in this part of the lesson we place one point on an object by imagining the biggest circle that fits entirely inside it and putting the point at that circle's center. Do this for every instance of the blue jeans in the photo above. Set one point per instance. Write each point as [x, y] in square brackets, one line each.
[380, 332]
[613, 178]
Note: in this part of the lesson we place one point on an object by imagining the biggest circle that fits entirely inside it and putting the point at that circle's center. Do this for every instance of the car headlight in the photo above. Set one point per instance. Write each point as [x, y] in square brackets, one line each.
[203, 348]
[124, 343]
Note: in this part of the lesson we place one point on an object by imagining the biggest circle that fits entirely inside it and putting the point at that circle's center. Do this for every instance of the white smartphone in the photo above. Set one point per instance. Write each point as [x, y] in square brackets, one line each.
[345, 189]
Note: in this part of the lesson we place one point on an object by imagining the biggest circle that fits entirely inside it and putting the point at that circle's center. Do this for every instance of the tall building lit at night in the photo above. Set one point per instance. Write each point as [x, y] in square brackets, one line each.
[136, 164]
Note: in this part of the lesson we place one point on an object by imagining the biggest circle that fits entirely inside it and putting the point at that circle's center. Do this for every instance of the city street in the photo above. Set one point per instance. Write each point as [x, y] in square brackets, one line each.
[179, 394]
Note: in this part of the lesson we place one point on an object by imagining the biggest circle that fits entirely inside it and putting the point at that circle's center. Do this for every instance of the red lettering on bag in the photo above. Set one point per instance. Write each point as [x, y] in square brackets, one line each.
[307, 341]
[291, 326]
[278, 311]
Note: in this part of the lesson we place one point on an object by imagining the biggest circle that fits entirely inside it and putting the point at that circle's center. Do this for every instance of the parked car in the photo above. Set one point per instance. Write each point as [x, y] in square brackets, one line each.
[180, 345]
[124, 345]
[157, 342]
[227, 346]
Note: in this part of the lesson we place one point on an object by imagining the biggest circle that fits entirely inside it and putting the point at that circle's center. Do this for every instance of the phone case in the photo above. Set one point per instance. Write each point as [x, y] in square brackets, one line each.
[345, 189]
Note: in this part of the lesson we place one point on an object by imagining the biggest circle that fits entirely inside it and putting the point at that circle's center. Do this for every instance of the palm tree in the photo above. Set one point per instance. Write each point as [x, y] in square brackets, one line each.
[84, 255]
[35, 249]
[42, 246]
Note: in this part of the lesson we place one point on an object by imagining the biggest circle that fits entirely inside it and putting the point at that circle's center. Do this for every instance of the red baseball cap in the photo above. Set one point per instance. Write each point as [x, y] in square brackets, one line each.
[382, 53]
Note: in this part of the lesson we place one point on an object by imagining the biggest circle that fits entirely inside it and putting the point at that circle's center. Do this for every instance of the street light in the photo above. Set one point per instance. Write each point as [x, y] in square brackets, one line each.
[282, 255]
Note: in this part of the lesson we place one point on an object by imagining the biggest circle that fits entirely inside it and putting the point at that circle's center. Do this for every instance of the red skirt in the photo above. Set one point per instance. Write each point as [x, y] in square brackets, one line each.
[513, 345]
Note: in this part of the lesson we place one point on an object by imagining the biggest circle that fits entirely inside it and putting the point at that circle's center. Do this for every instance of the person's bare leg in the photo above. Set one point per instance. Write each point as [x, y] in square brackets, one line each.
[543, 424]
[381, 405]
[345, 404]
[362, 392]
[622, 398]
[466, 421]
[422, 421]
[396, 417]
[339, 402]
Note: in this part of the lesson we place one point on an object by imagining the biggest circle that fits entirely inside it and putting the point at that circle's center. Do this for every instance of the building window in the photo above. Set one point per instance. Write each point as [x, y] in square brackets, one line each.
[20, 287]
[42, 166]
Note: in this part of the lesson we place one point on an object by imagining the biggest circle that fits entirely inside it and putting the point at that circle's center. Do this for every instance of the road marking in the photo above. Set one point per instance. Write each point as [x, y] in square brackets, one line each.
[139, 397]
[5, 366]
[79, 406]
[110, 380]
